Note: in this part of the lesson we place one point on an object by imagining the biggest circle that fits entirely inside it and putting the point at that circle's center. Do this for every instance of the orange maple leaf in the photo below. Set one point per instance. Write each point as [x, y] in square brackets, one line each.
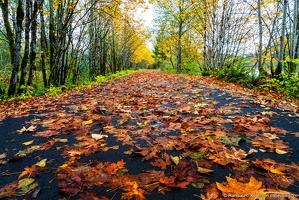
[133, 190]
[112, 168]
[246, 189]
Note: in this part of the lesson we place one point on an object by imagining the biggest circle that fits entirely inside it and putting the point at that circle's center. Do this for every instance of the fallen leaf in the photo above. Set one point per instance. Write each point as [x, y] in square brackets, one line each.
[62, 140]
[84, 108]
[88, 122]
[159, 163]
[25, 182]
[270, 165]
[98, 136]
[204, 170]
[31, 128]
[3, 155]
[42, 163]
[278, 151]
[234, 187]
[28, 143]
[170, 182]
[175, 159]
[132, 190]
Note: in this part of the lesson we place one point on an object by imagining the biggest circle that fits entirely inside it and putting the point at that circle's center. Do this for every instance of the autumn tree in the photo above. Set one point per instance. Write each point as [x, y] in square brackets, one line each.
[68, 41]
[178, 16]
[14, 40]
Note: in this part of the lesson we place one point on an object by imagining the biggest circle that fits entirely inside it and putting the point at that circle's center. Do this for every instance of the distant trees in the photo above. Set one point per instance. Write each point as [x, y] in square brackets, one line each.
[224, 30]
[51, 42]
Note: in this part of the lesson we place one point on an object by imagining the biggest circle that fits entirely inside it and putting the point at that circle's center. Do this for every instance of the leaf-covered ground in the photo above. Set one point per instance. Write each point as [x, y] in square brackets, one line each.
[150, 135]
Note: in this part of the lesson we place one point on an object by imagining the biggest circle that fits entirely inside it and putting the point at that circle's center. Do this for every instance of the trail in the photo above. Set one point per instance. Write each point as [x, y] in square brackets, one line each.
[149, 135]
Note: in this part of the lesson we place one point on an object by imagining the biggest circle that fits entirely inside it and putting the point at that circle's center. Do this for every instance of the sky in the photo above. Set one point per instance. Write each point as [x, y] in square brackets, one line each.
[147, 16]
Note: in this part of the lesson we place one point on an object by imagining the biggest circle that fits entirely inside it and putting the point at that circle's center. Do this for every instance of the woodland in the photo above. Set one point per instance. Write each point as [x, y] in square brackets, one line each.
[51, 45]
[99, 102]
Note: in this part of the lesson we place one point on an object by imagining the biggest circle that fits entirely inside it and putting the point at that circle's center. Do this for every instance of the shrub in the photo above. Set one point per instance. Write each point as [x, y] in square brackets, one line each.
[284, 84]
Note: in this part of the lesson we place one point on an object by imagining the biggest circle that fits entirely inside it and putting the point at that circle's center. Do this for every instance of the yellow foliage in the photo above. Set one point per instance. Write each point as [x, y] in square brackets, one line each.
[143, 54]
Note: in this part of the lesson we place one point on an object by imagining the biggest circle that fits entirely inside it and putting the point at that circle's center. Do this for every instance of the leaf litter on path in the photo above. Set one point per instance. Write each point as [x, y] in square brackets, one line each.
[153, 135]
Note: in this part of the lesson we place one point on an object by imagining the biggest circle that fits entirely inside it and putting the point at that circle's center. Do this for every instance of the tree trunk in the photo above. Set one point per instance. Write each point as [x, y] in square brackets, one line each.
[26, 48]
[17, 54]
[33, 42]
[52, 42]
[260, 48]
[179, 56]
[205, 37]
[294, 41]
[9, 31]
[113, 52]
[179, 44]
[43, 43]
[282, 43]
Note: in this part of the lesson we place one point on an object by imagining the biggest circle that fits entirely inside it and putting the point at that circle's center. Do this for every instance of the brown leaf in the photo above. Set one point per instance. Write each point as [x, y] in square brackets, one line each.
[270, 165]
[170, 182]
[159, 163]
[226, 156]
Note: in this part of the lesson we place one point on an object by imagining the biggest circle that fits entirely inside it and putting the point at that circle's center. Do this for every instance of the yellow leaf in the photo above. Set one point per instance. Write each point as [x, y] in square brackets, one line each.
[87, 122]
[42, 163]
[204, 170]
[84, 108]
[175, 159]
[25, 182]
[63, 140]
[28, 143]
[64, 166]
[25, 185]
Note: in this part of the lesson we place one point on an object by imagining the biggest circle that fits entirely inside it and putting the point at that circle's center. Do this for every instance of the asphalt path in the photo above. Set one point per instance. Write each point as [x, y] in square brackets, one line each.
[151, 103]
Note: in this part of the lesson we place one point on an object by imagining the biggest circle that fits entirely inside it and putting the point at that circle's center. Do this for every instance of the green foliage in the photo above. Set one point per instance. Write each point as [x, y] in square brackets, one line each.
[167, 68]
[205, 72]
[238, 73]
[289, 60]
[191, 68]
[233, 74]
[100, 78]
[284, 84]
[39, 90]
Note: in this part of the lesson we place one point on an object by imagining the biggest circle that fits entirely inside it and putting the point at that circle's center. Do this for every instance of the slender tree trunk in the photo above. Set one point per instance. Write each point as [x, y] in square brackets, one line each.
[294, 35]
[43, 42]
[205, 36]
[16, 64]
[260, 49]
[33, 42]
[26, 48]
[9, 32]
[52, 42]
[282, 43]
[113, 52]
[179, 56]
[179, 44]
